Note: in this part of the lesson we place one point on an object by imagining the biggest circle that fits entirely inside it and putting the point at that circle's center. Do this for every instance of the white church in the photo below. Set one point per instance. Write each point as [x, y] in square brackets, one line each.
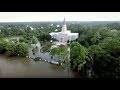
[64, 35]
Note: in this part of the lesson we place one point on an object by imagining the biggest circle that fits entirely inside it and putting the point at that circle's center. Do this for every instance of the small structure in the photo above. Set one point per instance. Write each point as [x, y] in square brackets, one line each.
[64, 36]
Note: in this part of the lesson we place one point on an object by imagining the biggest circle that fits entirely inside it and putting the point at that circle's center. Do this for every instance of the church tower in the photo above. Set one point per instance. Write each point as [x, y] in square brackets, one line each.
[64, 27]
[64, 23]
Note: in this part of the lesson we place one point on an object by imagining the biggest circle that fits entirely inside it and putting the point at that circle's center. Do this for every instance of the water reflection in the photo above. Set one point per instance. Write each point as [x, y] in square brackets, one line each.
[34, 51]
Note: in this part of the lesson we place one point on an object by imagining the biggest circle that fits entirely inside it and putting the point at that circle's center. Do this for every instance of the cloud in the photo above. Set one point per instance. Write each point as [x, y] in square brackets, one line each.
[58, 16]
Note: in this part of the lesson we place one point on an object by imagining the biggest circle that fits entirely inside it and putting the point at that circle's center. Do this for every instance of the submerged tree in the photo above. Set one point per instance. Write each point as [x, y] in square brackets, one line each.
[53, 52]
[61, 53]
[78, 55]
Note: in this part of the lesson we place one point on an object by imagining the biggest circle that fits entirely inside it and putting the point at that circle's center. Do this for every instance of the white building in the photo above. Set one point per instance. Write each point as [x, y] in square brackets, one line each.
[64, 35]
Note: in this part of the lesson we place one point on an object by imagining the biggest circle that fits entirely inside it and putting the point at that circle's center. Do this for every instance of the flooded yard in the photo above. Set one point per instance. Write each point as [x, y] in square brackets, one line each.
[23, 67]
[18, 67]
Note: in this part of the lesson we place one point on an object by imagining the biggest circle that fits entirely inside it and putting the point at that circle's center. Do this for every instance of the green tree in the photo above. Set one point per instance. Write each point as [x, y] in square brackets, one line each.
[11, 49]
[22, 49]
[78, 55]
[44, 36]
[3, 46]
[53, 52]
[105, 58]
[34, 40]
[60, 52]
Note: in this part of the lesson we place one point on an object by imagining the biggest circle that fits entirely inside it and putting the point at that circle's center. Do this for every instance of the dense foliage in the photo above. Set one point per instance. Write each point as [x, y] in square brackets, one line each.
[46, 46]
[60, 52]
[44, 36]
[96, 51]
[11, 48]
[103, 47]
[78, 55]
[27, 36]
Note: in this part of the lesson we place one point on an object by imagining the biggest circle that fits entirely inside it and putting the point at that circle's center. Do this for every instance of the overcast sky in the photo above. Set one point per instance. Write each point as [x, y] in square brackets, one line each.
[58, 16]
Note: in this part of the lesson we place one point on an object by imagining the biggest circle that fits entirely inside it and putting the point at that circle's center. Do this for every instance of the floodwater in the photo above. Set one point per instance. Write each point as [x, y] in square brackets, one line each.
[22, 67]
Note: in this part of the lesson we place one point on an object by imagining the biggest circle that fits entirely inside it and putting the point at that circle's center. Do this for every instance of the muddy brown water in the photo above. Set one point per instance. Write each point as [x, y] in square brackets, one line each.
[22, 67]
[19, 67]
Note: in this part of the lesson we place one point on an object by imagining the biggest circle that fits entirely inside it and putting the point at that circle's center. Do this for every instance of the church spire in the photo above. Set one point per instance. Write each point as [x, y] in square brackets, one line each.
[64, 23]
[64, 27]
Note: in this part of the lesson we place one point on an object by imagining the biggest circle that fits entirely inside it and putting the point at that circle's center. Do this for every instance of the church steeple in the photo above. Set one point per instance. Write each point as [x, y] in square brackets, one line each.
[64, 23]
[64, 27]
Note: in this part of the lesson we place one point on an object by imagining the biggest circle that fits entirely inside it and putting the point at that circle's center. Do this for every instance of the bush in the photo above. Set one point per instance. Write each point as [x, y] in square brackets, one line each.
[22, 49]
[11, 49]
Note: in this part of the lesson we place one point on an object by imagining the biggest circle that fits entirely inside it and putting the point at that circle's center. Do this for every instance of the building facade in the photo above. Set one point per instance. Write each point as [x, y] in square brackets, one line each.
[65, 35]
